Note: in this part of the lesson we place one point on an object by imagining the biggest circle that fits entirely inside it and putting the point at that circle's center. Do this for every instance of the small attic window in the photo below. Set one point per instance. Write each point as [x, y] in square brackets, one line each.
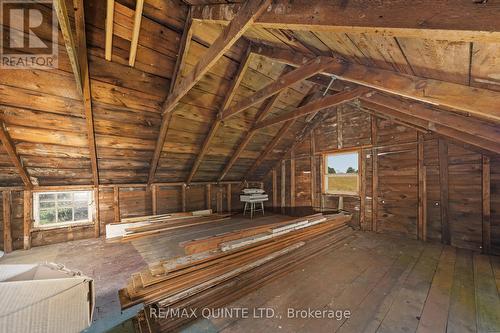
[342, 173]
[62, 208]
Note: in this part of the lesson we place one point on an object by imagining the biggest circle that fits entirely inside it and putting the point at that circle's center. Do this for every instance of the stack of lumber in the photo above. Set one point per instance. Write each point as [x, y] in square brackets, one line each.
[136, 227]
[228, 266]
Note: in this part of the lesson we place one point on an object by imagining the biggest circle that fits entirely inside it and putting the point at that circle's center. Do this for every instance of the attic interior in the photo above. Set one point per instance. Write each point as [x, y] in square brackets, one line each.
[227, 166]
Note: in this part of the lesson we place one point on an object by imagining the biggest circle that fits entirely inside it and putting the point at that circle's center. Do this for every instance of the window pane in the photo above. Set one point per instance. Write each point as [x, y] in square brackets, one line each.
[81, 196]
[47, 197]
[47, 216]
[347, 182]
[342, 173]
[64, 196]
[82, 214]
[65, 204]
[47, 205]
[65, 214]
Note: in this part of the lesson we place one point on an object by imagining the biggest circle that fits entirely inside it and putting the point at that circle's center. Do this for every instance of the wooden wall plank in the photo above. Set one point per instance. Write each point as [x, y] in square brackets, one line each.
[443, 178]
[486, 200]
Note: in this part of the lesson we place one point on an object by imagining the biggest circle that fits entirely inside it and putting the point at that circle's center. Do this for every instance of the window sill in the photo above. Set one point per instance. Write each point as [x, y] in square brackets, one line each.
[65, 226]
[354, 195]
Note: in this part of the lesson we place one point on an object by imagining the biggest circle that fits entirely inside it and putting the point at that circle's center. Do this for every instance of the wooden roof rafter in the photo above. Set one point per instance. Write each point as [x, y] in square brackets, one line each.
[218, 120]
[77, 53]
[466, 20]
[242, 21]
[311, 96]
[14, 157]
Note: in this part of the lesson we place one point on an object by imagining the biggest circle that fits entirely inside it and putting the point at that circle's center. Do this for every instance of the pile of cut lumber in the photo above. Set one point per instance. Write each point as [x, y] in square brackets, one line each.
[136, 227]
[224, 267]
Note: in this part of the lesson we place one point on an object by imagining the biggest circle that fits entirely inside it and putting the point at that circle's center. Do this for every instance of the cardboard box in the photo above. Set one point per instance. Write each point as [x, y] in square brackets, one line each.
[44, 298]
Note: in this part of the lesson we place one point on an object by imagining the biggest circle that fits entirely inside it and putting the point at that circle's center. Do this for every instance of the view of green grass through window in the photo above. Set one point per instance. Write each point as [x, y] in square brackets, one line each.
[62, 207]
[342, 173]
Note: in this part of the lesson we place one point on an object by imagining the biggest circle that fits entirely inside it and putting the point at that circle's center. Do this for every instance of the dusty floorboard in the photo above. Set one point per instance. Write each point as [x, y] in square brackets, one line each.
[388, 284]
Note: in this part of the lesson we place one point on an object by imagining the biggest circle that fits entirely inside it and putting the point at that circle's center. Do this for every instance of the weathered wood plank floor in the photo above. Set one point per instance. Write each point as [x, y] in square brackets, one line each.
[389, 284]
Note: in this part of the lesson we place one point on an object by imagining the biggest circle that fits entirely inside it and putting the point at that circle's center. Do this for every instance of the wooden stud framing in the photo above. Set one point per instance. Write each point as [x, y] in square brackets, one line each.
[154, 199]
[135, 32]
[322, 175]
[7, 221]
[441, 21]
[422, 193]
[14, 157]
[275, 188]
[85, 84]
[283, 186]
[362, 188]
[27, 218]
[208, 194]
[340, 140]
[116, 203]
[217, 121]
[443, 179]
[97, 221]
[110, 12]
[375, 190]
[228, 197]
[292, 178]
[486, 199]
[183, 197]
[313, 168]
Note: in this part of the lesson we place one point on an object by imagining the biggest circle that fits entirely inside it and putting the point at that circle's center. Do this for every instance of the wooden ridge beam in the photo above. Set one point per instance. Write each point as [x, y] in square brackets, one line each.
[135, 32]
[261, 114]
[241, 22]
[312, 67]
[14, 157]
[462, 20]
[317, 105]
[217, 121]
[470, 100]
[86, 93]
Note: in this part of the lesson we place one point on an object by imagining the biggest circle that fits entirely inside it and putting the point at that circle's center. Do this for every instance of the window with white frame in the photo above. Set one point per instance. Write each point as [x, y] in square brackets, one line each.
[342, 173]
[62, 208]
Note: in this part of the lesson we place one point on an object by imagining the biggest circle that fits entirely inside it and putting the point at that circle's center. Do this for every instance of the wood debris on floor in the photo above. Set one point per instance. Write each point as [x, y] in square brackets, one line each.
[137, 227]
[227, 266]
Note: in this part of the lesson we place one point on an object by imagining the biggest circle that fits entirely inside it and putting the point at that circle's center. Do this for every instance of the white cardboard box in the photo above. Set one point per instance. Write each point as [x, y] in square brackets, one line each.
[44, 298]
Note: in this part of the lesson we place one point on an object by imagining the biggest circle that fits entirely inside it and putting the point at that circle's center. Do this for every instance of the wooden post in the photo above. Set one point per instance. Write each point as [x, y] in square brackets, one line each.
[183, 197]
[275, 188]
[374, 173]
[97, 221]
[7, 219]
[340, 139]
[208, 192]
[219, 199]
[422, 195]
[321, 187]
[154, 199]
[362, 188]
[228, 197]
[283, 186]
[313, 170]
[292, 178]
[27, 212]
[116, 203]
[443, 178]
[486, 206]
[375, 190]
